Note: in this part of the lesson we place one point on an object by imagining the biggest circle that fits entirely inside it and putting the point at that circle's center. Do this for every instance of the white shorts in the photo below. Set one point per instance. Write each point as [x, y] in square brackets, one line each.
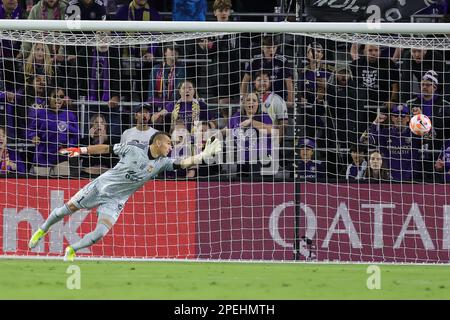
[89, 197]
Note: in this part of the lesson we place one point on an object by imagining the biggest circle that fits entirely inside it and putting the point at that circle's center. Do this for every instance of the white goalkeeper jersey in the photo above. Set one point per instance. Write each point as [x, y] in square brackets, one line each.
[133, 170]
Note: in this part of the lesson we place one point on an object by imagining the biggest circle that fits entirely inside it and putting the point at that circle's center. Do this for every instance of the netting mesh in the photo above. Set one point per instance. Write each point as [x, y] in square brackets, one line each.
[94, 38]
[418, 41]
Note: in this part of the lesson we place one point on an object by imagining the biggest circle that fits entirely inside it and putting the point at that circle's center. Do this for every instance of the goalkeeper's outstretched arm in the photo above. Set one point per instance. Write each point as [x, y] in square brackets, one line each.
[94, 149]
[213, 147]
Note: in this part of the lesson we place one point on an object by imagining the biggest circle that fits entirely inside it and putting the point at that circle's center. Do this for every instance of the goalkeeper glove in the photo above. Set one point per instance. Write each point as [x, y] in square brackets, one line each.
[73, 152]
[212, 147]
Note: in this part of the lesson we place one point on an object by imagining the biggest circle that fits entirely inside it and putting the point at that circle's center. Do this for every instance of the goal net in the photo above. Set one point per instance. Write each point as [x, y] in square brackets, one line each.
[318, 161]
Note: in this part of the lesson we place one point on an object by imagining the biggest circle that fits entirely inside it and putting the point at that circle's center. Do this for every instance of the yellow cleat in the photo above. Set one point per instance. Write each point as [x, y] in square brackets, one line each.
[69, 254]
[36, 238]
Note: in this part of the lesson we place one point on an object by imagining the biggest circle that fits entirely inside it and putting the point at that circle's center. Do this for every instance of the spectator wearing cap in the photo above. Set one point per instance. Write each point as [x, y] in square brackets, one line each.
[432, 104]
[281, 72]
[23, 106]
[357, 169]
[141, 132]
[397, 142]
[428, 97]
[308, 168]
[414, 63]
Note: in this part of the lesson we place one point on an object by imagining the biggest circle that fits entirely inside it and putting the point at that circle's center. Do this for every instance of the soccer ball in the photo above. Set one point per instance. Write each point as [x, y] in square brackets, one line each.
[420, 124]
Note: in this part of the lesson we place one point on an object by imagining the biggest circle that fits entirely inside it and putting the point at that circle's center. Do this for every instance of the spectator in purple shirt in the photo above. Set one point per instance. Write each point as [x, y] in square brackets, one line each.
[432, 104]
[250, 127]
[397, 143]
[24, 104]
[280, 70]
[357, 169]
[188, 109]
[104, 75]
[443, 162]
[10, 159]
[308, 168]
[428, 96]
[314, 71]
[54, 128]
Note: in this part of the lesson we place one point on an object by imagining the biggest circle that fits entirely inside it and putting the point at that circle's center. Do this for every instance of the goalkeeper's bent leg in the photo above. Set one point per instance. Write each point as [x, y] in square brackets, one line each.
[57, 215]
[89, 239]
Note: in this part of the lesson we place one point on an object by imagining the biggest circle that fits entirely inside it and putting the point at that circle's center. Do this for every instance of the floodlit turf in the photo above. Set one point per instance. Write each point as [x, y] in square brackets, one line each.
[36, 279]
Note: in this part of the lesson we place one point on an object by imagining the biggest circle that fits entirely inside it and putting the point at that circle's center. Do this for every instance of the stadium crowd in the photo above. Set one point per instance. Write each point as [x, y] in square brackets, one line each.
[331, 111]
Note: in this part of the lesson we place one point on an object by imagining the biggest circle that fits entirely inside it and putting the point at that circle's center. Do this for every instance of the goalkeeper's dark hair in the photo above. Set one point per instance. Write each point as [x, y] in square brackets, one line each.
[158, 135]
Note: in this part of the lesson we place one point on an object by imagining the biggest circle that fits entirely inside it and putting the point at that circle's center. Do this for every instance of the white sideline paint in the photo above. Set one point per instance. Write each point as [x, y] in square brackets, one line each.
[14, 257]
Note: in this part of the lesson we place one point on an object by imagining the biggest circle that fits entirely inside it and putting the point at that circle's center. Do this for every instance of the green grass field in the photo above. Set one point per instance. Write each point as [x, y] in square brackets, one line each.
[36, 279]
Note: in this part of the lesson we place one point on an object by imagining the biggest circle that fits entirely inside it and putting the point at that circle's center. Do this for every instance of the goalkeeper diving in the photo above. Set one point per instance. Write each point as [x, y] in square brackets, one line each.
[110, 191]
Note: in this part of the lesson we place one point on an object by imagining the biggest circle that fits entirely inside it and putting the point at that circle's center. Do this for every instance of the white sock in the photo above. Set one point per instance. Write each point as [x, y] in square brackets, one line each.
[89, 239]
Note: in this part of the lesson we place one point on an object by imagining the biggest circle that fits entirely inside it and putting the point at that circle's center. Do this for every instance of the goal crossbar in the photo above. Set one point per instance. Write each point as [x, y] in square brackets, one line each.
[207, 26]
